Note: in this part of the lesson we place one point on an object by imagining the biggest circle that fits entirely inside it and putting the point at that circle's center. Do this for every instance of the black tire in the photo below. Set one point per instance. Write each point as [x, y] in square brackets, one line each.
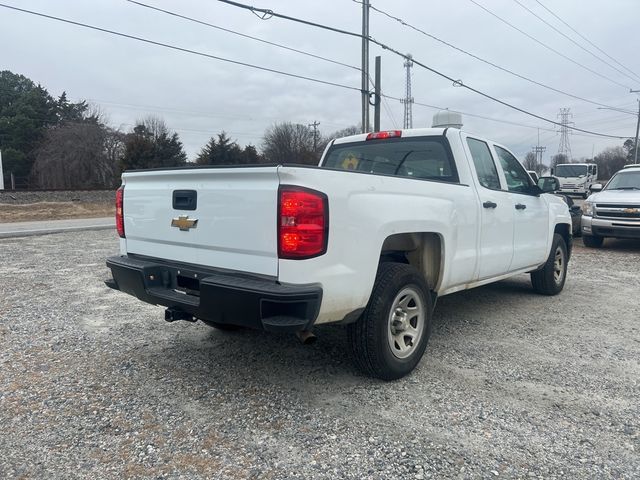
[371, 337]
[592, 241]
[549, 280]
[227, 327]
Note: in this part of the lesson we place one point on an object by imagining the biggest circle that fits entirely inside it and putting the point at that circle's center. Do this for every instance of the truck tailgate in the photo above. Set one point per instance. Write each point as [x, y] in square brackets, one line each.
[235, 209]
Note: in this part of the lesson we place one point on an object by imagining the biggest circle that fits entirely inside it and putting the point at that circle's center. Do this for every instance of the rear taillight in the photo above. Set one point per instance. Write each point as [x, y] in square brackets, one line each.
[384, 135]
[120, 211]
[303, 223]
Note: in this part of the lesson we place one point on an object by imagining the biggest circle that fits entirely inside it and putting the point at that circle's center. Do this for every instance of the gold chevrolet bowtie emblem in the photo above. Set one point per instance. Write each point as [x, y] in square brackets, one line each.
[184, 223]
[631, 210]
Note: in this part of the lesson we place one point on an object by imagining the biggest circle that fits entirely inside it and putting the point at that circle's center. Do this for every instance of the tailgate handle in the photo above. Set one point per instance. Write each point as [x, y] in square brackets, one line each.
[185, 199]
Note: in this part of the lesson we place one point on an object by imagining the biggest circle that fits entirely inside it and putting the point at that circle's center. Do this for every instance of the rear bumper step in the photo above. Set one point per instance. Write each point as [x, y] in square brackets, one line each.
[217, 296]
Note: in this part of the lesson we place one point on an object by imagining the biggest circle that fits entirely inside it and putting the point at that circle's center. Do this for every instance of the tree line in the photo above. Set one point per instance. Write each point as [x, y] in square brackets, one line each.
[49, 142]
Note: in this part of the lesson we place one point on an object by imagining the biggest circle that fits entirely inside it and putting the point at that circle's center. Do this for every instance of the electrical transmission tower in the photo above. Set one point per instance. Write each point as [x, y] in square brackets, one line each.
[408, 99]
[564, 148]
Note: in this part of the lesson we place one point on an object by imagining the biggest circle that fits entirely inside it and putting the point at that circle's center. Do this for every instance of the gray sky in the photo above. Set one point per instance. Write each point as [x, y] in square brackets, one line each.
[199, 97]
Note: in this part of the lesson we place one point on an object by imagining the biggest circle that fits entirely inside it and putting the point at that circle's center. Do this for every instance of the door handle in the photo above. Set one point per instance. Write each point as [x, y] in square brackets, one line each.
[489, 205]
[520, 206]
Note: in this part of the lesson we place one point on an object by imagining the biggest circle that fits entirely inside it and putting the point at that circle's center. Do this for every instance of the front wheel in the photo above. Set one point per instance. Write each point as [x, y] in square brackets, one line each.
[390, 337]
[549, 280]
[592, 241]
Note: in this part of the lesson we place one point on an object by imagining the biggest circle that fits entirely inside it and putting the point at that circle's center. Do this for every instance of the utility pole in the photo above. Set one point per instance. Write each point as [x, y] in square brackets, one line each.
[314, 125]
[564, 147]
[539, 151]
[365, 66]
[408, 99]
[378, 99]
[635, 155]
[1, 173]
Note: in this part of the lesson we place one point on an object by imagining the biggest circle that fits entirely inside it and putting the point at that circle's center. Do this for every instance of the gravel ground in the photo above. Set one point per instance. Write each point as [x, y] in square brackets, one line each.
[94, 384]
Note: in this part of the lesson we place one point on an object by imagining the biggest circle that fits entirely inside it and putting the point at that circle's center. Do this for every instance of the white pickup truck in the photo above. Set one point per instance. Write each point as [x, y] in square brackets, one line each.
[388, 222]
[576, 178]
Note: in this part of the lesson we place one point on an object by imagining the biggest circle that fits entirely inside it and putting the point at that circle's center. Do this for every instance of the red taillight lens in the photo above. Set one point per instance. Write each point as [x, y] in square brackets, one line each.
[384, 135]
[120, 211]
[303, 221]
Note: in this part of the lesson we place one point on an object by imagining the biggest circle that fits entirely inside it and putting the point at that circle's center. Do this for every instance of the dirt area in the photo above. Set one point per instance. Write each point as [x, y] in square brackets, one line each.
[513, 384]
[54, 211]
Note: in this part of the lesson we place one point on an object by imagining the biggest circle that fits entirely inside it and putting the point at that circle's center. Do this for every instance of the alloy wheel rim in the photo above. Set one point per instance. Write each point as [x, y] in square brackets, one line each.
[558, 266]
[406, 322]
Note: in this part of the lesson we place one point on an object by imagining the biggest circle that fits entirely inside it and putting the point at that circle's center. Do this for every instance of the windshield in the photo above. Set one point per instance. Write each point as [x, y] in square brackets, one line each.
[570, 170]
[427, 158]
[625, 181]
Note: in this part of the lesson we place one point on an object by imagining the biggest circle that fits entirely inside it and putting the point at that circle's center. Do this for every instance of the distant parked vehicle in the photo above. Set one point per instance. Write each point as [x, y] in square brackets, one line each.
[613, 210]
[575, 210]
[576, 178]
[533, 175]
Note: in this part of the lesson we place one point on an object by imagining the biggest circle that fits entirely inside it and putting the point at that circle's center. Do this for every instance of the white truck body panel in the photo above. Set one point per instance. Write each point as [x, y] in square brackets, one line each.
[236, 217]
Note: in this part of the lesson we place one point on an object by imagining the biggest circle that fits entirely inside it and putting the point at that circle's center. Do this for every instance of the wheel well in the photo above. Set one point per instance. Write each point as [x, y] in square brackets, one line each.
[565, 232]
[419, 249]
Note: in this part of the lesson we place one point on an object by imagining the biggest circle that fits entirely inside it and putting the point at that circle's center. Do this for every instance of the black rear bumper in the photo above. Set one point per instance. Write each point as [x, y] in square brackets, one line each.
[216, 295]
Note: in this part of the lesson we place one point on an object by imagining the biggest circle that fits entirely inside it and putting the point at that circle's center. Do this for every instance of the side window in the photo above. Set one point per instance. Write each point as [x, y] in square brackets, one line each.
[518, 180]
[485, 166]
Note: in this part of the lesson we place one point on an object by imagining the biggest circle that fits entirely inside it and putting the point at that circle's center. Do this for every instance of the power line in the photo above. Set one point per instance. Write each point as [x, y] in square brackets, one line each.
[180, 49]
[484, 117]
[483, 60]
[573, 41]
[586, 39]
[497, 120]
[539, 42]
[257, 39]
[267, 14]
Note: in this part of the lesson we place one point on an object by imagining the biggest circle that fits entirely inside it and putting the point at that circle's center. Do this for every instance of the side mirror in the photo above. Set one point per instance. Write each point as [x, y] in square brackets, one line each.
[596, 187]
[548, 184]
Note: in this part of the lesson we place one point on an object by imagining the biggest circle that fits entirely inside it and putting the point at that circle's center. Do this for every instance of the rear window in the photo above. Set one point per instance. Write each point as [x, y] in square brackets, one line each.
[427, 158]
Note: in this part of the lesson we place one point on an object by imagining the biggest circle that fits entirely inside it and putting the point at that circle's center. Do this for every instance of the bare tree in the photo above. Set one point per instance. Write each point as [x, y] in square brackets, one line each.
[289, 143]
[78, 155]
[609, 161]
[558, 159]
[345, 132]
[531, 163]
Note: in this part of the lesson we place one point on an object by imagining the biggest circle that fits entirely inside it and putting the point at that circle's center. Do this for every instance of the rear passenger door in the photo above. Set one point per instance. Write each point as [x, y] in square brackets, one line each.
[531, 214]
[497, 213]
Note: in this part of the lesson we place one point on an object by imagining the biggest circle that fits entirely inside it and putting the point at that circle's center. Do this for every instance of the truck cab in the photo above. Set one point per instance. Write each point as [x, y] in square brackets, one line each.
[576, 178]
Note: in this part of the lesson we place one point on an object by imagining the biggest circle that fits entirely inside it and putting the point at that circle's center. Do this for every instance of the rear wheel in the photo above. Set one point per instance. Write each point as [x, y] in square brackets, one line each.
[549, 280]
[390, 337]
[592, 241]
